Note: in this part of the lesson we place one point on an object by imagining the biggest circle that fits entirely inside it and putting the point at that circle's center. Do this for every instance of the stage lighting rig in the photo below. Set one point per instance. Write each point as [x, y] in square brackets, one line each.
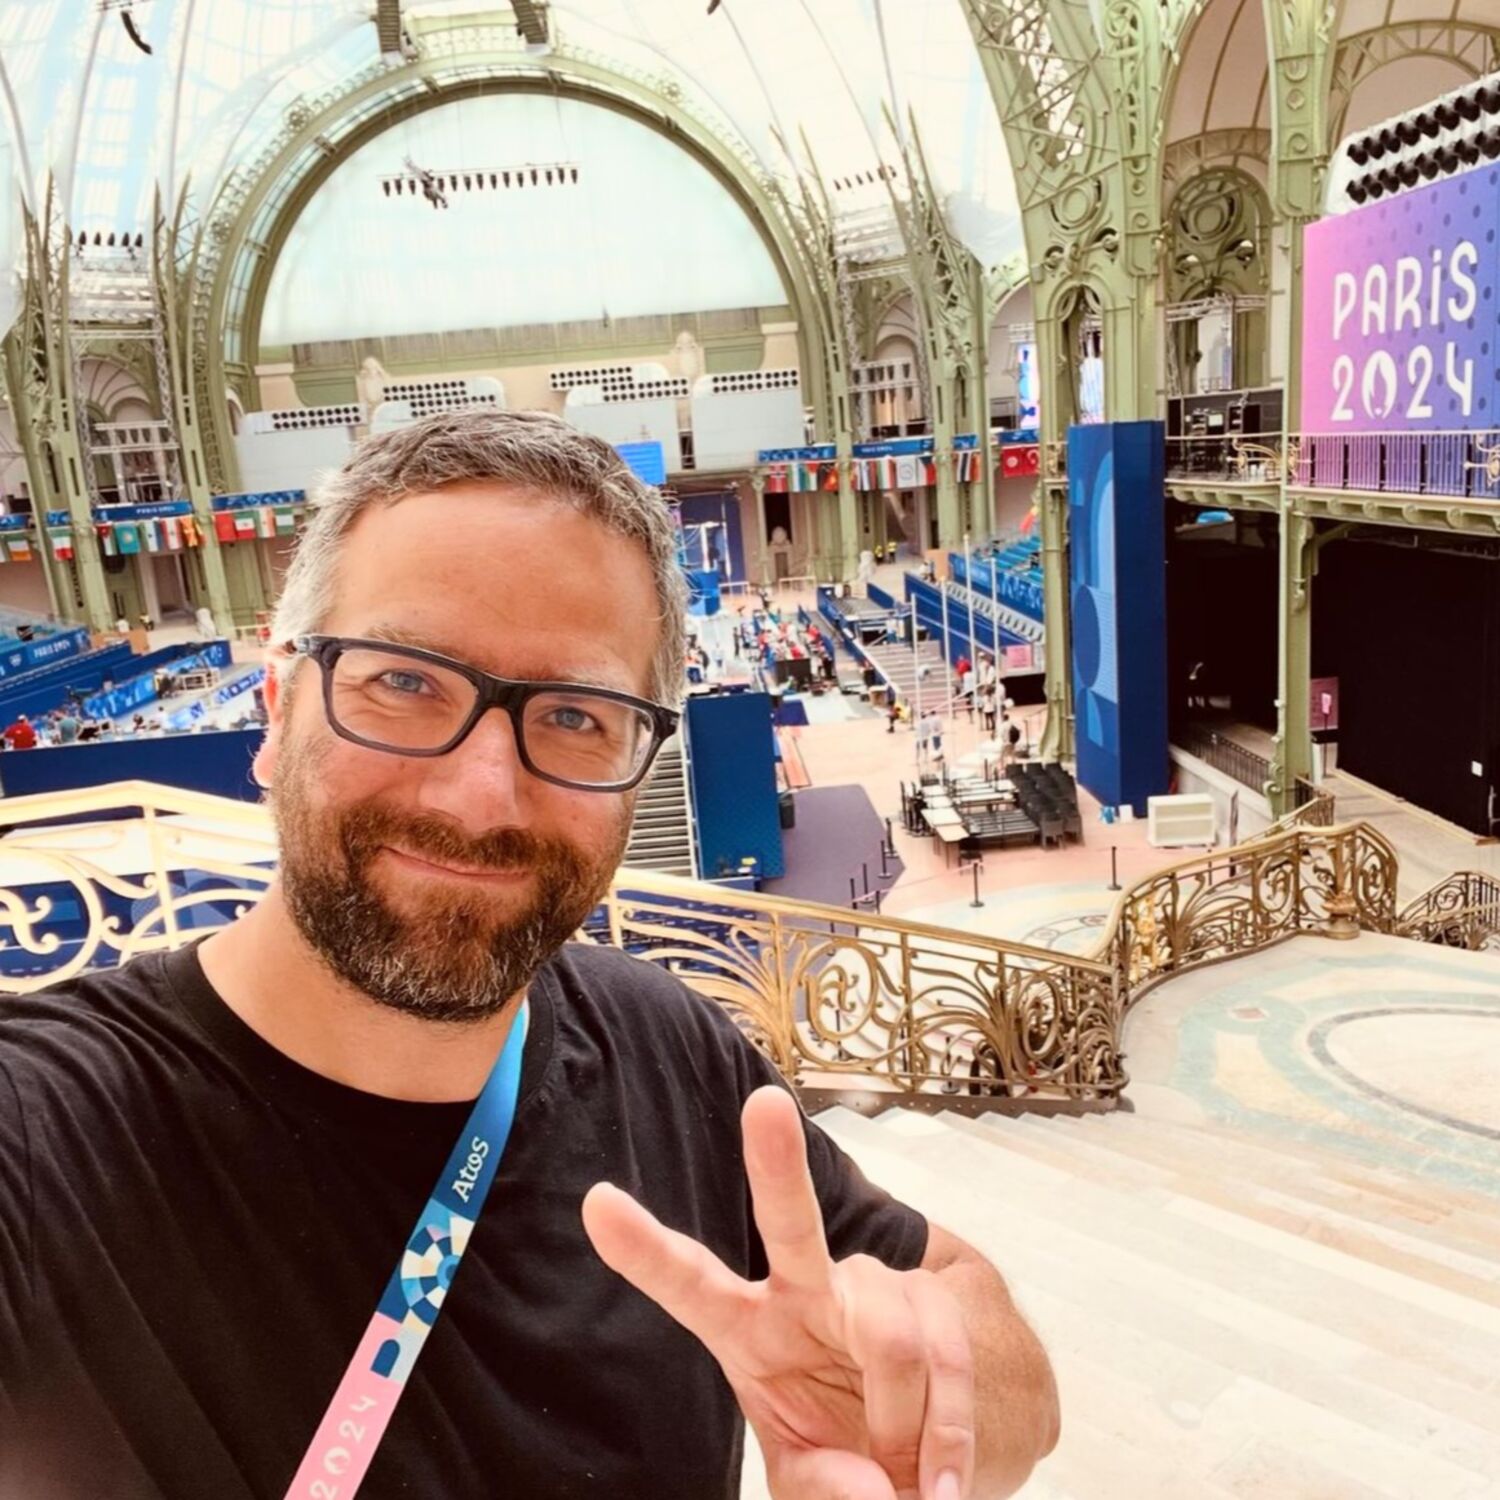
[438, 186]
[1447, 135]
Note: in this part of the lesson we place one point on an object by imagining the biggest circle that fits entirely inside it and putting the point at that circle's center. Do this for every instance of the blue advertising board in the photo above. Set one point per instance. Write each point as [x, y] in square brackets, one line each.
[647, 461]
[28, 655]
[1117, 514]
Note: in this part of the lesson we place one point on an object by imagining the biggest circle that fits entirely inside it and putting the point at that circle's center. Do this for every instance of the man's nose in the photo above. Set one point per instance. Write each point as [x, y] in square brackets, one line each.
[480, 785]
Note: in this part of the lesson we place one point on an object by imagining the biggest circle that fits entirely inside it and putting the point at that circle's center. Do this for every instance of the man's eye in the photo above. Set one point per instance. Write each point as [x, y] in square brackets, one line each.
[403, 682]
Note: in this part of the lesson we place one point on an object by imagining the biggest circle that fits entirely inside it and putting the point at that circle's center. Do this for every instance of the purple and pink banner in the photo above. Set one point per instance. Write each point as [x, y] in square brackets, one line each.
[1401, 312]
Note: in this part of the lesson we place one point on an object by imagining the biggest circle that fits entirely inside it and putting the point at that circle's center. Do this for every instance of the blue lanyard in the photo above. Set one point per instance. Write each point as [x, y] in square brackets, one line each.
[350, 1432]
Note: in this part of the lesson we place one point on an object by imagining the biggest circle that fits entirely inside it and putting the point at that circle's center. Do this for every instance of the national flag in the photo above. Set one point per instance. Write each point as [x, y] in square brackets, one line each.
[776, 482]
[107, 539]
[62, 545]
[908, 472]
[831, 478]
[19, 548]
[127, 538]
[191, 535]
[966, 465]
[265, 521]
[224, 526]
[929, 471]
[286, 520]
[244, 526]
[152, 535]
[173, 534]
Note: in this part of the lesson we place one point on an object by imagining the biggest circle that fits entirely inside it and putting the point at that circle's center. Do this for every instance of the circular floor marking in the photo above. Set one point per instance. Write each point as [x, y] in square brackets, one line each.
[1440, 1062]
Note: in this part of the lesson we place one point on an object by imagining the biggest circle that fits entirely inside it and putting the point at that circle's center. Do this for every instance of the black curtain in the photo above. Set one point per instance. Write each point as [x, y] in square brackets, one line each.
[1413, 636]
[1222, 611]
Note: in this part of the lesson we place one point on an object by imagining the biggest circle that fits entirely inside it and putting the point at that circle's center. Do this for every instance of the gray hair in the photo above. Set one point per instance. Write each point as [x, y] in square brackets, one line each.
[529, 449]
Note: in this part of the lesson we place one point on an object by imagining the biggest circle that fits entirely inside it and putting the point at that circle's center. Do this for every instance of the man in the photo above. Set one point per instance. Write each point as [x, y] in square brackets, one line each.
[21, 735]
[67, 727]
[213, 1157]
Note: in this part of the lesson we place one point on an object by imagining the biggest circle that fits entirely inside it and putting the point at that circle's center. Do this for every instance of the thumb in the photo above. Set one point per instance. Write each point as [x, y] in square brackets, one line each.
[824, 1474]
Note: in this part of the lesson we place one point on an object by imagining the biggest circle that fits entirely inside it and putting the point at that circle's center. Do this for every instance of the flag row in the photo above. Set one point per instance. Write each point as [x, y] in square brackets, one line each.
[906, 471]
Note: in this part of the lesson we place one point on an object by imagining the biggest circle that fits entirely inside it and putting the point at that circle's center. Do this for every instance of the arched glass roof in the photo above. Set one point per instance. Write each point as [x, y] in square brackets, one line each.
[645, 229]
[800, 81]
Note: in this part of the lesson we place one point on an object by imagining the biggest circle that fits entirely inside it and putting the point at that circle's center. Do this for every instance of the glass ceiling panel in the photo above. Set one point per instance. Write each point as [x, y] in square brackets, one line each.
[365, 261]
[800, 82]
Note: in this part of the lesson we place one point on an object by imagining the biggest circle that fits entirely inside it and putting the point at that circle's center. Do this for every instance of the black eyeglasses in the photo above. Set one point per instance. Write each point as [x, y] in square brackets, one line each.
[407, 701]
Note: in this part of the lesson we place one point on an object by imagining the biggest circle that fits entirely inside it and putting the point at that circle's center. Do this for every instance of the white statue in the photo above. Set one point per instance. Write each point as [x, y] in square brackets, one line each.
[866, 570]
[370, 383]
[779, 538]
[687, 355]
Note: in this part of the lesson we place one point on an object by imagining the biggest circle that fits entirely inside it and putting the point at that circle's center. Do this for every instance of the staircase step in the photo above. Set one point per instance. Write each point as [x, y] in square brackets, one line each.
[1234, 1368]
[1214, 1353]
[1291, 1201]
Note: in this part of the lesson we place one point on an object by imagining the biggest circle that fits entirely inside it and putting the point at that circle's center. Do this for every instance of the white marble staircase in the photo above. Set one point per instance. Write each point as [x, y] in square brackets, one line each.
[1227, 1316]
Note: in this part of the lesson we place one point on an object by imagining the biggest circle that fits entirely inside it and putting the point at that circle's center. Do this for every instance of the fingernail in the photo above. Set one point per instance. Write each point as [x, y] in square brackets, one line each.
[948, 1486]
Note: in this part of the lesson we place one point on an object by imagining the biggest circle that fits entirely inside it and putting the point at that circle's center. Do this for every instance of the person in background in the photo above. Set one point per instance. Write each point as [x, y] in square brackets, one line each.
[67, 726]
[987, 707]
[22, 734]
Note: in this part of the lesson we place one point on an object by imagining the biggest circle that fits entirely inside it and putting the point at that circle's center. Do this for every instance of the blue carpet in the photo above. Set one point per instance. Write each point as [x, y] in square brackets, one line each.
[837, 830]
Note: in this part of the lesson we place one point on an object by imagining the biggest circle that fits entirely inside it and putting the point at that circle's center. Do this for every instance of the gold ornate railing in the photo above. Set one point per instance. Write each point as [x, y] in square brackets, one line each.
[838, 1000]
[1462, 911]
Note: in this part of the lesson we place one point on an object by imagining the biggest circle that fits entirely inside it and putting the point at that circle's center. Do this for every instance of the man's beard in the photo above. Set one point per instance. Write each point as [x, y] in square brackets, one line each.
[454, 957]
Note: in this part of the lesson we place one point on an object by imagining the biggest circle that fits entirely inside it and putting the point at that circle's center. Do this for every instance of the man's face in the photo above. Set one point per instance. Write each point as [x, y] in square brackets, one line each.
[438, 886]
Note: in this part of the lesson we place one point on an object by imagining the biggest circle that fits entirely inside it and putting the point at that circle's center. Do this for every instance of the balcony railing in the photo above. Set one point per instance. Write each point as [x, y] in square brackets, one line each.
[1233, 457]
[838, 1000]
[1224, 754]
[1458, 465]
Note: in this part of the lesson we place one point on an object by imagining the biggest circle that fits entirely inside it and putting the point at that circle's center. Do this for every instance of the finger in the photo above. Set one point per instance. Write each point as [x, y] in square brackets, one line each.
[948, 1423]
[686, 1280]
[825, 1474]
[885, 1338]
[787, 1211]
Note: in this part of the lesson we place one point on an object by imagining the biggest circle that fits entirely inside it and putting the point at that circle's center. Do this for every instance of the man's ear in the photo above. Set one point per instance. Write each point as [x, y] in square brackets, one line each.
[278, 693]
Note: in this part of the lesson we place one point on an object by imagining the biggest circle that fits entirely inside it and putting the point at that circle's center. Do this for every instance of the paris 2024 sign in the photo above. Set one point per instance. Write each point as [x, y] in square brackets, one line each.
[1401, 312]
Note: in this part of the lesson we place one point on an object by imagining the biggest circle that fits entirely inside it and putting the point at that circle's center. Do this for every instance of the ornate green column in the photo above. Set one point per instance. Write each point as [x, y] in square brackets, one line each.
[175, 314]
[1080, 110]
[39, 377]
[1299, 39]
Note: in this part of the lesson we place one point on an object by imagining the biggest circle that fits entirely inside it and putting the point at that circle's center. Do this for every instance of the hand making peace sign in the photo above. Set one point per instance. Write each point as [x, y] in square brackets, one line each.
[857, 1379]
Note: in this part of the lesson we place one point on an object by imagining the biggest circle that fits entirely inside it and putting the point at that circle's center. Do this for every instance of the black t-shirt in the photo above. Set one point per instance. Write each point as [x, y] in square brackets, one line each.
[195, 1230]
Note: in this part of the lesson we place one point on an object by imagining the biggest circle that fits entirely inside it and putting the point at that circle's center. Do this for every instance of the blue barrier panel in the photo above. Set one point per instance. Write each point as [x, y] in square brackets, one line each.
[46, 687]
[930, 614]
[879, 596]
[27, 656]
[734, 782]
[216, 761]
[1117, 516]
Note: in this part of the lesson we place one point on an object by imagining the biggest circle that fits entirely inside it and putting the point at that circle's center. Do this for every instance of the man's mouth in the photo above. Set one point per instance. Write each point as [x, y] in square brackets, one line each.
[424, 865]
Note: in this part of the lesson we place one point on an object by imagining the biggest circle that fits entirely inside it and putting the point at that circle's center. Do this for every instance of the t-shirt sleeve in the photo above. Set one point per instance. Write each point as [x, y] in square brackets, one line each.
[15, 1234]
[859, 1218]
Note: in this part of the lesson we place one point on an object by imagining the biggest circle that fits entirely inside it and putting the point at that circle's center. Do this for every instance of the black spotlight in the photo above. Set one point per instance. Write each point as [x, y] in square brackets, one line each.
[533, 176]
[495, 180]
[1357, 190]
[1409, 173]
[1390, 141]
[1447, 116]
[1447, 159]
[1375, 146]
[1427, 165]
[1389, 180]
[1488, 97]
[1489, 142]
[387, 188]
[506, 176]
[1467, 150]
[1468, 106]
[573, 173]
[1408, 132]
[1374, 187]
[1358, 152]
[1427, 123]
